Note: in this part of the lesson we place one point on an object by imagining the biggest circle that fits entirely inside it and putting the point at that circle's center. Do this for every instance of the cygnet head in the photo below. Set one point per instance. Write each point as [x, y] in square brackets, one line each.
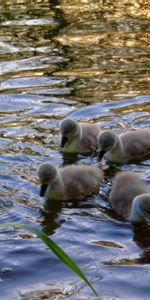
[140, 211]
[47, 175]
[69, 129]
[106, 141]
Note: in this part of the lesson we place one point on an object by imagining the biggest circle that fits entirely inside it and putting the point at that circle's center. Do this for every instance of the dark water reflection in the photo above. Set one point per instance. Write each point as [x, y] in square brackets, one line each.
[89, 60]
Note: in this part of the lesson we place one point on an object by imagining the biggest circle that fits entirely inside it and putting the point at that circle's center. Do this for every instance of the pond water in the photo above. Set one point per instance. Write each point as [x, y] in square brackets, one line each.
[89, 60]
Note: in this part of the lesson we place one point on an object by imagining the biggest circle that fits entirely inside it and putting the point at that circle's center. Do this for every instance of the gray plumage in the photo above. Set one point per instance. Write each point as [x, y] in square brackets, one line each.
[78, 137]
[73, 182]
[127, 189]
[133, 145]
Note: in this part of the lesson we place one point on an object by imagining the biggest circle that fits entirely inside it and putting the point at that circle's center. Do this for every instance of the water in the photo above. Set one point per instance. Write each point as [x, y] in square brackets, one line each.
[88, 60]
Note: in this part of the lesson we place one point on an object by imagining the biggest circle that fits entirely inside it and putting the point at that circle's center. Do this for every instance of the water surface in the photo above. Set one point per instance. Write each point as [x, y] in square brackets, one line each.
[88, 60]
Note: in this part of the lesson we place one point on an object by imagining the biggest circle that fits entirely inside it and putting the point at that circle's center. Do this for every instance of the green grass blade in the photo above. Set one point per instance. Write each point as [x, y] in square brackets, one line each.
[58, 252]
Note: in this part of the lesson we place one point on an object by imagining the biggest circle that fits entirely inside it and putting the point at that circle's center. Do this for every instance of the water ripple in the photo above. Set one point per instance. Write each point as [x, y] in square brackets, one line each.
[88, 61]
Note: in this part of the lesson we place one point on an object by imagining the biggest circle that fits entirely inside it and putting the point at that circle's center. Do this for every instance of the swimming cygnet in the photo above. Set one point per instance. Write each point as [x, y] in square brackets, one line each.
[130, 197]
[124, 147]
[70, 182]
[78, 137]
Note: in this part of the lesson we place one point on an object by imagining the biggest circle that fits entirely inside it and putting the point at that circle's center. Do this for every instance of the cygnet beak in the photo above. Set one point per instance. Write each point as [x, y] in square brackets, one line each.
[63, 141]
[100, 154]
[43, 189]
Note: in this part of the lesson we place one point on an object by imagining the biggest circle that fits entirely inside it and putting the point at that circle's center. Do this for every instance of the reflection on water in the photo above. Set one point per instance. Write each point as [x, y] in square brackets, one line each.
[89, 60]
[109, 47]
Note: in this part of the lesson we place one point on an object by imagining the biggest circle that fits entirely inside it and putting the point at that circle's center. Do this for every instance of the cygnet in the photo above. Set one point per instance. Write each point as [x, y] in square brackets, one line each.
[130, 197]
[129, 146]
[78, 137]
[73, 182]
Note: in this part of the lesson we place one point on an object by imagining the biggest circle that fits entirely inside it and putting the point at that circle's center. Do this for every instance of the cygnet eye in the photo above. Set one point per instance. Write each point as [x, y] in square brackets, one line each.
[67, 131]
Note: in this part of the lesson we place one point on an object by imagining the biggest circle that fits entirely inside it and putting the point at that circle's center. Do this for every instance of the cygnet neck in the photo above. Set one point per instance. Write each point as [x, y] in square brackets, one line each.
[137, 214]
[57, 187]
[78, 133]
[76, 138]
[118, 146]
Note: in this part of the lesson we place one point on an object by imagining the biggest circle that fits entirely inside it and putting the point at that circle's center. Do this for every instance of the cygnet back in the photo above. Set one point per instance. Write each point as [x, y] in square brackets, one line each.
[81, 180]
[125, 187]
